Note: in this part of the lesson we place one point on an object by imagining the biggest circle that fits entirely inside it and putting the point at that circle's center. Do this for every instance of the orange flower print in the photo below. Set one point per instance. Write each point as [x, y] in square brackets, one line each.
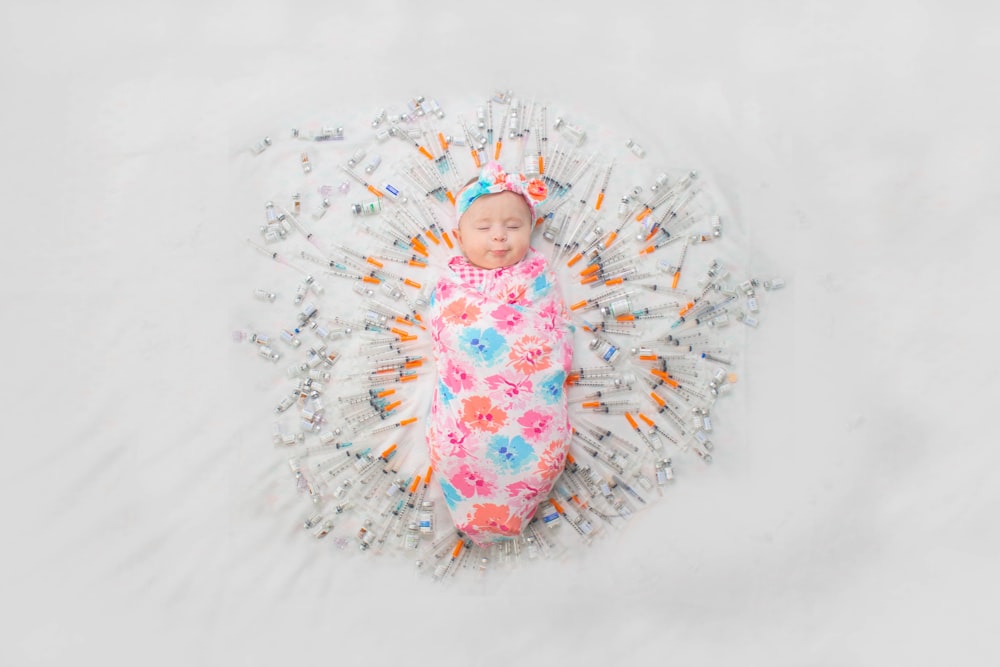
[480, 414]
[537, 189]
[530, 354]
[515, 295]
[552, 460]
[494, 519]
[460, 312]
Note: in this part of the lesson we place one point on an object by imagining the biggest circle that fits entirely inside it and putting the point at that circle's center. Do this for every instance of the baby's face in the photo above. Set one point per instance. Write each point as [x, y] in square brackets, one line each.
[495, 231]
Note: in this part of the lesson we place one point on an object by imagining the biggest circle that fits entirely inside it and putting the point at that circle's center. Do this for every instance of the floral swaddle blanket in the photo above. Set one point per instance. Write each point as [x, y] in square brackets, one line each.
[499, 424]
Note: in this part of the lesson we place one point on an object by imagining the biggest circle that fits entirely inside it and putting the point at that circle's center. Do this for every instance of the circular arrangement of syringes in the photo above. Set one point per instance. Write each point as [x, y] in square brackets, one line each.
[356, 223]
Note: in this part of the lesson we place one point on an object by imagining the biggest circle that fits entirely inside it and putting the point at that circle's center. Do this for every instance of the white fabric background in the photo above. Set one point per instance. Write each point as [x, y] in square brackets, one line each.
[852, 523]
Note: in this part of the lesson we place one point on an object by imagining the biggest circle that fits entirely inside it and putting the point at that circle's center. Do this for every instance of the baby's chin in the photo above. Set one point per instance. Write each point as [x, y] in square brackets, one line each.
[497, 260]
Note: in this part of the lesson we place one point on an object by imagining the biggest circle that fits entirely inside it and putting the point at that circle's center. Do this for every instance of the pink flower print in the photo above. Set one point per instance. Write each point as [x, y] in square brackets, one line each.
[460, 312]
[507, 318]
[534, 265]
[535, 425]
[480, 414]
[492, 518]
[551, 315]
[457, 377]
[530, 354]
[567, 358]
[511, 390]
[438, 329]
[443, 291]
[450, 443]
[522, 493]
[470, 481]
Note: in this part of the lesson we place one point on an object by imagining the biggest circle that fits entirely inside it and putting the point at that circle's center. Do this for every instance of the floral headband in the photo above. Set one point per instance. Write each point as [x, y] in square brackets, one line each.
[493, 179]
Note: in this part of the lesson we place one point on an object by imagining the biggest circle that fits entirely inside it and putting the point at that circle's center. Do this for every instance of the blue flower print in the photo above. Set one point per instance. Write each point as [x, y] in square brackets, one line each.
[551, 389]
[511, 454]
[541, 286]
[484, 346]
[444, 393]
[451, 494]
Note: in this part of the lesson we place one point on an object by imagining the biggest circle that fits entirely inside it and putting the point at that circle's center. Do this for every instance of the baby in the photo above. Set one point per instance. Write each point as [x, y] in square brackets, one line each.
[499, 427]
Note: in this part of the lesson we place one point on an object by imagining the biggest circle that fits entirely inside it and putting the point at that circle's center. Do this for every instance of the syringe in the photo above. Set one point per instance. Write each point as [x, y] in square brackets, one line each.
[604, 185]
[371, 188]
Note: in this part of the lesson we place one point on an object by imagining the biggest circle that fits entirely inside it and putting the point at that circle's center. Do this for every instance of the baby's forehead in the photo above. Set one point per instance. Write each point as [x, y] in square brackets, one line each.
[502, 203]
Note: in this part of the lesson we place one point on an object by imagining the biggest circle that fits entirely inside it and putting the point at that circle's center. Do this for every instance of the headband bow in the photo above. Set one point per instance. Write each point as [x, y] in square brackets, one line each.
[493, 179]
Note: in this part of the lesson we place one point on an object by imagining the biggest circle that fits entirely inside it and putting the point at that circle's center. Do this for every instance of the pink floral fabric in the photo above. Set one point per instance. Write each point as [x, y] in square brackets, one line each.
[499, 425]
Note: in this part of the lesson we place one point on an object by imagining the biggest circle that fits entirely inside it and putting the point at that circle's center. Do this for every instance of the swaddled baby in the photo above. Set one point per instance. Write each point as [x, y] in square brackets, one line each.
[499, 427]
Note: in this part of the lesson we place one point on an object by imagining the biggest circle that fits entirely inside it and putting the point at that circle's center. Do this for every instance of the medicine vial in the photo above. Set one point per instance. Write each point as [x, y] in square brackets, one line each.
[261, 146]
[574, 133]
[664, 471]
[329, 134]
[391, 291]
[605, 350]
[531, 165]
[366, 536]
[623, 206]
[267, 353]
[371, 207]
[306, 164]
[290, 338]
[618, 308]
[265, 295]
[373, 164]
[323, 530]
[356, 158]
[550, 517]
[321, 209]
[412, 539]
[270, 215]
[638, 150]
[435, 108]
[425, 518]
[284, 404]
